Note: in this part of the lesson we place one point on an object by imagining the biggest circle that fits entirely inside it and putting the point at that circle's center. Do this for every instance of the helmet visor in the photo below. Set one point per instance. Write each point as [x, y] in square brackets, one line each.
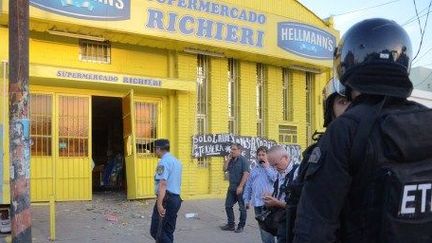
[334, 86]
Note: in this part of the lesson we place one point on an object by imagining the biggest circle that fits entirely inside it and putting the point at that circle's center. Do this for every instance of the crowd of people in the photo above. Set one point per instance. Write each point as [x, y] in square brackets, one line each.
[368, 178]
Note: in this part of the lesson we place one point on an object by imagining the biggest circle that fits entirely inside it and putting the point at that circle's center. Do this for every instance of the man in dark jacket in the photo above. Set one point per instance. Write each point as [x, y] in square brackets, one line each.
[334, 206]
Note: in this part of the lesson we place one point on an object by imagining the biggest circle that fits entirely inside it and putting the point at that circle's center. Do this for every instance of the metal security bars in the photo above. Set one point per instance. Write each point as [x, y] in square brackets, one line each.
[95, 51]
[146, 126]
[203, 74]
[309, 104]
[287, 134]
[287, 95]
[202, 94]
[41, 122]
[73, 126]
[233, 89]
[260, 98]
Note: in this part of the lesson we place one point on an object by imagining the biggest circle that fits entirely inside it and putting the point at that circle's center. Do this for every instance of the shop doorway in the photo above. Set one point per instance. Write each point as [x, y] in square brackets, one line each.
[107, 145]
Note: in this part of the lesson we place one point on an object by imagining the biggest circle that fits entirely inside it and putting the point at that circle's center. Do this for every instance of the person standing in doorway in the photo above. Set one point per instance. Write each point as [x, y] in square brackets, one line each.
[259, 184]
[238, 169]
[167, 189]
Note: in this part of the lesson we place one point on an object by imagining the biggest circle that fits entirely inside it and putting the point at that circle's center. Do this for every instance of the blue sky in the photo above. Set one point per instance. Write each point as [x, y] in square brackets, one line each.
[399, 10]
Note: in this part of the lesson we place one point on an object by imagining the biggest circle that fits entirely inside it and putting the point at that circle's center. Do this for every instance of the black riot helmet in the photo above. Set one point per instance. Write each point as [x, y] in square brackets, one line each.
[330, 91]
[374, 57]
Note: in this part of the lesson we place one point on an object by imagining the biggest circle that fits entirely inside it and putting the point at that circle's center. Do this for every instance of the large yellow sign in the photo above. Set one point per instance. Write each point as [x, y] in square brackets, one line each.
[206, 22]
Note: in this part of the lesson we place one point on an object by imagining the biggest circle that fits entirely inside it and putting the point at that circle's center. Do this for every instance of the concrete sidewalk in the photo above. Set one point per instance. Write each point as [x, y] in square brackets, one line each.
[111, 218]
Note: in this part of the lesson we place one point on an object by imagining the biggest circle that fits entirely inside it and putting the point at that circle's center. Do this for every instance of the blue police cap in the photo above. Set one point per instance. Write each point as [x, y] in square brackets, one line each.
[161, 143]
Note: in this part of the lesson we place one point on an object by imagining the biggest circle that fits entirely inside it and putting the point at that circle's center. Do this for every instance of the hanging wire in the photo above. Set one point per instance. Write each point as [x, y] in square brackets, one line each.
[367, 8]
[422, 31]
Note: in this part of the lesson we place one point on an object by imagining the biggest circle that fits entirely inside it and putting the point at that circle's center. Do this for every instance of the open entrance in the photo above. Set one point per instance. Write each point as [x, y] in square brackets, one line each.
[107, 144]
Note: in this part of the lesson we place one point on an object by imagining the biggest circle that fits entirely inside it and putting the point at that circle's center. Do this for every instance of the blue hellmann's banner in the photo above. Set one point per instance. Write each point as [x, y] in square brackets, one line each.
[105, 10]
[306, 40]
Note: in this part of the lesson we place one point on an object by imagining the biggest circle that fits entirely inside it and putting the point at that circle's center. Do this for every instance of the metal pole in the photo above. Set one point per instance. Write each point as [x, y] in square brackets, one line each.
[19, 125]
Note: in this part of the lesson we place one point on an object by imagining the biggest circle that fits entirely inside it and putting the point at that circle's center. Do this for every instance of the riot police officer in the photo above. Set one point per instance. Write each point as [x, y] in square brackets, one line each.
[167, 189]
[338, 203]
[335, 103]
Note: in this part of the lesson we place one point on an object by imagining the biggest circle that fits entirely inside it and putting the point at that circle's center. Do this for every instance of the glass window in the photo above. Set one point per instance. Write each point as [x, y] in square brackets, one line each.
[146, 126]
[233, 89]
[41, 121]
[73, 126]
[287, 94]
[260, 98]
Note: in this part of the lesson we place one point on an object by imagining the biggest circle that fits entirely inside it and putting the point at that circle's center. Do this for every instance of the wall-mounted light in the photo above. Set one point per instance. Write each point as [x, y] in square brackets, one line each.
[74, 35]
[202, 52]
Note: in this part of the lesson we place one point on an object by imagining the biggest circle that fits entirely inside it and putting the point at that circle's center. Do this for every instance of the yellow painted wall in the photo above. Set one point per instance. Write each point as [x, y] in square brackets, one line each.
[274, 109]
[177, 107]
[247, 101]
[218, 119]
[185, 124]
[136, 60]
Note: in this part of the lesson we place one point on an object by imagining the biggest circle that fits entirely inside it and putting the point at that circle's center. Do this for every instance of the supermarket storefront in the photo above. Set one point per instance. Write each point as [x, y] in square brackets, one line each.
[108, 77]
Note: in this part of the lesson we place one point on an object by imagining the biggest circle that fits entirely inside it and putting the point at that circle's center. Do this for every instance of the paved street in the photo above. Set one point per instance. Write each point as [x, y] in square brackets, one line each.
[111, 218]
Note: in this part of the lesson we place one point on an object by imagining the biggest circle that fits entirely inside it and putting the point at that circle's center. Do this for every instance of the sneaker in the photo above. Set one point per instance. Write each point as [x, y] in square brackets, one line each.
[227, 227]
[239, 229]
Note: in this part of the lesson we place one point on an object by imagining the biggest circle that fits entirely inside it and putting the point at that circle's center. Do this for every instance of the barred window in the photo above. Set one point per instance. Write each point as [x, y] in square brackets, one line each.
[41, 121]
[260, 98]
[73, 126]
[146, 126]
[309, 104]
[233, 90]
[287, 134]
[203, 74]
[95, 51]
[202, 94]
[287, 94]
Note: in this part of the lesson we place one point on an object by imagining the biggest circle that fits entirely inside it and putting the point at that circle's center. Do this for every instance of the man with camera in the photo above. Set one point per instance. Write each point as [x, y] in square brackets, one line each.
[275, 203]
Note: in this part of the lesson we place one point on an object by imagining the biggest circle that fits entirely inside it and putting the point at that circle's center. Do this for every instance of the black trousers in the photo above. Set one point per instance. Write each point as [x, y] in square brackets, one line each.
[172, 206]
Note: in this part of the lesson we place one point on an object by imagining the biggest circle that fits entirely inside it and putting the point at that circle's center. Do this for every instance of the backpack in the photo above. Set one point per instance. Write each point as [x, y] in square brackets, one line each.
[391, 161]
[402, 206]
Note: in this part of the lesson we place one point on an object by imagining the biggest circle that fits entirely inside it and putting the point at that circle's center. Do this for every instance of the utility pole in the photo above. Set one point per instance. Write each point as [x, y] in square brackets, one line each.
[19, 123]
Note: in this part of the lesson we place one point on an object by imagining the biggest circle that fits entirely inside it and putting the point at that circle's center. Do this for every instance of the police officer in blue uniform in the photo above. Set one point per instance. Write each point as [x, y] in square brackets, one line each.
[167, 189]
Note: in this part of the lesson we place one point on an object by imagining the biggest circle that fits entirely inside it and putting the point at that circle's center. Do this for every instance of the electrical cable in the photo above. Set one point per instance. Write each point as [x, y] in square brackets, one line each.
[422, 31]
[367, 8]
[418, 19]
[410, 20]
[424, 54]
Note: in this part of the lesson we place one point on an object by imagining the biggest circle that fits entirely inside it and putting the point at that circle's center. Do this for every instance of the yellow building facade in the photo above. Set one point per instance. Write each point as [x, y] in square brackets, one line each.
[110, 76]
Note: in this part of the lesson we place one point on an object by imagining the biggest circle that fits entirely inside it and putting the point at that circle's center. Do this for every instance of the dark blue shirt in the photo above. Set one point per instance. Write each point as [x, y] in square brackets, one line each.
[236, 168]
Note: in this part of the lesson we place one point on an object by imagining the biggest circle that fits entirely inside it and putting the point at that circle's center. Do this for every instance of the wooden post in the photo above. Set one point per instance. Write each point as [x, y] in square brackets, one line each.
[19, 124]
